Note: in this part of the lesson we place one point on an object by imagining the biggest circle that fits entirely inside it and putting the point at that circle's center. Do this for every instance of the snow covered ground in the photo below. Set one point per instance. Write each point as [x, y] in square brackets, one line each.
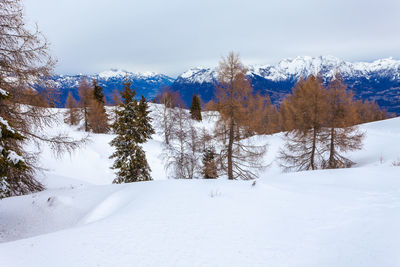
[346, 217]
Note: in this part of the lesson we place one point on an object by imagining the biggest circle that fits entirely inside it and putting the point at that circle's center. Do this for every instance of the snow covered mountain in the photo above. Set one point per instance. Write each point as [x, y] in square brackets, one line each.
[378, 80]
[293, 69]
[327, 66]
[147, 83]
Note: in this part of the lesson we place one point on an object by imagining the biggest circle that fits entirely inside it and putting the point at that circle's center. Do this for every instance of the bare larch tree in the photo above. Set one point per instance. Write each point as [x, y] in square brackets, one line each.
[243, 159]
[25, 62]
[340, 133]
[306, 113]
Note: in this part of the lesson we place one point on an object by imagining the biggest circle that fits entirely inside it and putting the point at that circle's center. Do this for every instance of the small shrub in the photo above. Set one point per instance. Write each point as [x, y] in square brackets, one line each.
[396, 163]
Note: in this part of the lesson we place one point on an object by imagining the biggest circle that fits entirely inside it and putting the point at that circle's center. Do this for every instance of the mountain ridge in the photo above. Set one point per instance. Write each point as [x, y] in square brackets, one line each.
[378, 80]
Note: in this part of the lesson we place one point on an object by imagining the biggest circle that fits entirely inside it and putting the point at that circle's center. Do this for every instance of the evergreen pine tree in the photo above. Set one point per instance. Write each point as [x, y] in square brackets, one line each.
[195, 108]
[144, 121]
[16, 175]
[132, 128]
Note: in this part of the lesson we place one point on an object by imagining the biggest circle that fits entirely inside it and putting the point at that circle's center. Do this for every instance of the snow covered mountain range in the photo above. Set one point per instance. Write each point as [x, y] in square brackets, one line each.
[147, 83]
[378, 80]
[293, 69]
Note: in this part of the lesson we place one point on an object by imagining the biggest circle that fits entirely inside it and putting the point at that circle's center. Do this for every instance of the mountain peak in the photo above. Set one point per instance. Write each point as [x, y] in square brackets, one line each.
[112, 73]
[118, 73]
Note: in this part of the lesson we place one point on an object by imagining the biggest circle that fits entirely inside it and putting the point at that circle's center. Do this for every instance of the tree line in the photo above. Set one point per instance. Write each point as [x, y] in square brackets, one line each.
[319, 123]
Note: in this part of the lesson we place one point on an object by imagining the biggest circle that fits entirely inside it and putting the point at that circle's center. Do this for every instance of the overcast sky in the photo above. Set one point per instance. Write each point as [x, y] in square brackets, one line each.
[89, 36]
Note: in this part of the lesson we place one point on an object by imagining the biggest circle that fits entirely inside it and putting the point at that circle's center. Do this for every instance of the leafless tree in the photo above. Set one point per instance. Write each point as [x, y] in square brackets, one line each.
[86, 96]
[182, 152]
[25, 62]
[97, 117]
[307, 113]
[72, 113]
[164, 112]
[340, 132]
[243, 159]
[116, 102]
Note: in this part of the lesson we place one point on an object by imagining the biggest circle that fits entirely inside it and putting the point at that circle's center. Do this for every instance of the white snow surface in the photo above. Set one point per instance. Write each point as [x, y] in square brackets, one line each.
[3, 92]
[344, 217]
[122, 73]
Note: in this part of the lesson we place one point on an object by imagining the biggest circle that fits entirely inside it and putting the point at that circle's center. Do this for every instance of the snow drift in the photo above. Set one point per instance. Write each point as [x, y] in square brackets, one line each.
[344, 217]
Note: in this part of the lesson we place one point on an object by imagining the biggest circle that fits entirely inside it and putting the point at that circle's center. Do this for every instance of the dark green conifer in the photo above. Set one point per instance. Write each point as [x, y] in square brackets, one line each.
[144, 121]
[133, 129]
[195, 108]
[98, 92]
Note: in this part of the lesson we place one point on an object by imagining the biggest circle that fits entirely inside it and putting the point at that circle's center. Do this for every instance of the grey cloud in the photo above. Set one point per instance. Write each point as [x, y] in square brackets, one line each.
[170, 36]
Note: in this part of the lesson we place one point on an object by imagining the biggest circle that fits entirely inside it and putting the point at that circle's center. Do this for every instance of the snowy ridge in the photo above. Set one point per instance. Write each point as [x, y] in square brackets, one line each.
[118, 73]
[112, 74]
[199, 75]
[294, 68]
[145, 83]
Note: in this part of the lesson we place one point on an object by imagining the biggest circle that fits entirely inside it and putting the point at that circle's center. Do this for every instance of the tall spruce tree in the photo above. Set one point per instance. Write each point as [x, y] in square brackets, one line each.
[144, 121]
[195, 108]
[133, 129]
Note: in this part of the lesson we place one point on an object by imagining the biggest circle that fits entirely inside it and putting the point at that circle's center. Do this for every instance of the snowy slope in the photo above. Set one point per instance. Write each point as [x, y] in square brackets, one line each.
[347, 217]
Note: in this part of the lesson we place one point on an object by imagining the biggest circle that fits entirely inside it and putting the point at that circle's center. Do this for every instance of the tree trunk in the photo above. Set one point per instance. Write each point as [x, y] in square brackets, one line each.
[166, 135]
[86, 119]
[231, 133]
[230, 151]
[332, 150]
[314, 143]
